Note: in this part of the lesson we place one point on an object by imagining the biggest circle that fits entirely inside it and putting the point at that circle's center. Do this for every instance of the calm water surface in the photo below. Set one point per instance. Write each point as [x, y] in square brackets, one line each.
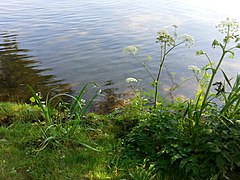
[44, 43]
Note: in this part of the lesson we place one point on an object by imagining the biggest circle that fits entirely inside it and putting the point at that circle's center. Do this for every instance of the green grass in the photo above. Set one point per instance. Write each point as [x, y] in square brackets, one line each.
[12, 112]
[171, 140]
[20, 157]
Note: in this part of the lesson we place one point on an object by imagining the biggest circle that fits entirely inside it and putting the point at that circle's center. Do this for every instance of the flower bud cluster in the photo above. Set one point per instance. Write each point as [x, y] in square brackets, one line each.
[188, 39]
[130, 49]
[228, 26]
[195, 69]
[163, 36]
[131, 80]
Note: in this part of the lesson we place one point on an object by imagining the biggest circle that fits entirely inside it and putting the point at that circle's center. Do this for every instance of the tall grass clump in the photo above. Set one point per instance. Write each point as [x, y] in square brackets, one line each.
[195, 138]
[62, 120]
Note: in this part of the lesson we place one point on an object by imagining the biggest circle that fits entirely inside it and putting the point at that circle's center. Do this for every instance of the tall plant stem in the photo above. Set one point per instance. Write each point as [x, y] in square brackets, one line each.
[214, 72]
[163, 58]
[144, 66]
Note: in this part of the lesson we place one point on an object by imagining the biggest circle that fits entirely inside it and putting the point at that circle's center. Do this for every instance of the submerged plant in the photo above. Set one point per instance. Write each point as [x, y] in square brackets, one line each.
[167, 43]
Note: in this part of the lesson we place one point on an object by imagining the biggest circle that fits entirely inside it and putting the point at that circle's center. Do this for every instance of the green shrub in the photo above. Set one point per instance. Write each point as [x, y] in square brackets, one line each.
[170, 143]
[197, 138]
[127, 118]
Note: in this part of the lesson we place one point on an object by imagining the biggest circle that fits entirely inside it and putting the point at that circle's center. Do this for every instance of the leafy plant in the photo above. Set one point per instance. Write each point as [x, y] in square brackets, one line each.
[168, 142]
[167, 44]
[200, 138]
[230, 29]
[61, 119]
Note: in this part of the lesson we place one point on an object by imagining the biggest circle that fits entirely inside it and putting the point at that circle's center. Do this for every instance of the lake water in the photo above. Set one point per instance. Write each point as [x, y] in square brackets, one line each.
[71, 42]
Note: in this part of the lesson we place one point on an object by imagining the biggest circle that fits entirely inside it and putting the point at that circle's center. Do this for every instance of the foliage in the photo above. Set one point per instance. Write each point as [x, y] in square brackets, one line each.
[20, 160]
[125, 119]
[171, 144]
[196, 138]
[167, 43]
[62, 119]
[230, 29]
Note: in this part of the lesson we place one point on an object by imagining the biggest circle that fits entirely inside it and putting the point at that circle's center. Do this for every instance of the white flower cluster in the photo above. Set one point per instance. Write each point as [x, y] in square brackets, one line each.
[195, 69]
[163, 35]
[131, 80]
[231, 26]
[188, 39]
[83, 102]
[131, 49]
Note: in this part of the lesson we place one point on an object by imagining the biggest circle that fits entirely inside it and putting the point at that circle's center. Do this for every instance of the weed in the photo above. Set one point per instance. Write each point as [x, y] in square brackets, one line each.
[167, 44]
[62, 120]
[195, 139]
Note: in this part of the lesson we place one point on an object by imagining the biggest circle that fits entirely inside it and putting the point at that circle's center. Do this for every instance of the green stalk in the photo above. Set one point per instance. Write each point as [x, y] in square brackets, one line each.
[214, 72]
[163, 58]
[145, 67]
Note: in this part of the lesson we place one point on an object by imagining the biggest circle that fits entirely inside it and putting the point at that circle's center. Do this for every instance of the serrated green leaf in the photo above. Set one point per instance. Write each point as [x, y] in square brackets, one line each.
[32, 99]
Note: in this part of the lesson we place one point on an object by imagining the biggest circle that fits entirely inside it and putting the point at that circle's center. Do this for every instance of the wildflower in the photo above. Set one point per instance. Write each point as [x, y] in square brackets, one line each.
[188, 39]
[148, 58]
[200, 52]
[131, 80]
[83, 101]
[164, 37]
[228, 26]
[195, 69]
[131, 49]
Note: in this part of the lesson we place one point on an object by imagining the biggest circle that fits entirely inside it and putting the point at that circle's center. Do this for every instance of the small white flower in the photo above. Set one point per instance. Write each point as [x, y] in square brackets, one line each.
[164, 33]
[188, 39]
[231, 26]
[148, 58]
[131, 49]
[195, 69]
[163, 36]
[83, 100]
[131, 80]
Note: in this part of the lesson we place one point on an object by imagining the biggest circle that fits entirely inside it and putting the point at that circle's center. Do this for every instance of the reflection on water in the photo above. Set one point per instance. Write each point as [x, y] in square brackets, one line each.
[81, 41]
[111, 99]
[18, 69]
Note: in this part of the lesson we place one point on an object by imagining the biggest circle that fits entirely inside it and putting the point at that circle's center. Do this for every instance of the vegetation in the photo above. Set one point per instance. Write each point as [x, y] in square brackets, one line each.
[195, 138]
[167, 44]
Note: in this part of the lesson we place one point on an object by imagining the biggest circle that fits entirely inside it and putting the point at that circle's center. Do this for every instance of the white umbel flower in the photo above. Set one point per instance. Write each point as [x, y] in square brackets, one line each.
[131, 80]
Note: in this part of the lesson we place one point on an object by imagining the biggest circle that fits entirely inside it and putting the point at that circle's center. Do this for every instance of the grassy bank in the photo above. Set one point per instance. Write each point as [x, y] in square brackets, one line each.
[150, 138]
[23, 156]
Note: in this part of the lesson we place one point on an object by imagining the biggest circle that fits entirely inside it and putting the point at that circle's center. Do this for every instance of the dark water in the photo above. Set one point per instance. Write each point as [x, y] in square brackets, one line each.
[71, 42]
[18, 71]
